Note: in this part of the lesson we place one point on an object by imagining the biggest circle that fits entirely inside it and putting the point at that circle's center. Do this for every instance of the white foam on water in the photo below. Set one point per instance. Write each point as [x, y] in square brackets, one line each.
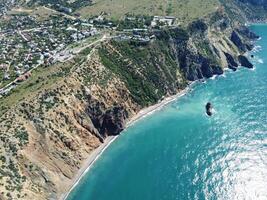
[256, 49]
[260, 61]
[213, 77]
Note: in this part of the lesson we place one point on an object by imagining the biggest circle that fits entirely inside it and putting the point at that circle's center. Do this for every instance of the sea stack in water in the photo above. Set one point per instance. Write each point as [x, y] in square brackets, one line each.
[209, 109]
[245, 62]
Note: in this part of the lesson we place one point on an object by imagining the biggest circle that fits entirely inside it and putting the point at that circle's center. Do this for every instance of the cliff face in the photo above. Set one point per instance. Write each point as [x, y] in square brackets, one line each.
[46, 138]
[255, 2]
[246, 10]
[48, 135]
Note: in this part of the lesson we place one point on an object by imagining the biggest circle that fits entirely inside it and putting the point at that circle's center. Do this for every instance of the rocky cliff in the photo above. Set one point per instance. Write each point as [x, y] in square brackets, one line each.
[47, 136]
[246, 10]
[262, 3]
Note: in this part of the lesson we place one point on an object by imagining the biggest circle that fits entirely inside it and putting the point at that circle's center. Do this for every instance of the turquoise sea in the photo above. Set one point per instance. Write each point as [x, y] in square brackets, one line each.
[178, 153]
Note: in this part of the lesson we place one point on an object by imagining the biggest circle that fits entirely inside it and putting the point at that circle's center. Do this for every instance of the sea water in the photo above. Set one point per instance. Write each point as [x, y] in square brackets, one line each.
[179, 153]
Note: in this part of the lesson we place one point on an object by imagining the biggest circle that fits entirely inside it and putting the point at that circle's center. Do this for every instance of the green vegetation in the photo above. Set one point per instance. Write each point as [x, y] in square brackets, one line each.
[76, 4]
[23, 137]
[184, 10]
[146, 70]
[132, 22]
[41, 79]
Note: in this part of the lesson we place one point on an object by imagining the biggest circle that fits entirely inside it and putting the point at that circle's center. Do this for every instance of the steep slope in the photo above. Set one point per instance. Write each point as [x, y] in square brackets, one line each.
[255, 2]
[246, 10]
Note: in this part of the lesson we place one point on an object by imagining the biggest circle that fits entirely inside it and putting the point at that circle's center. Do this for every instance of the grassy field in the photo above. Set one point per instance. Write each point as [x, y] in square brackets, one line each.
[42, 78]
[184, 10]
[41, 13]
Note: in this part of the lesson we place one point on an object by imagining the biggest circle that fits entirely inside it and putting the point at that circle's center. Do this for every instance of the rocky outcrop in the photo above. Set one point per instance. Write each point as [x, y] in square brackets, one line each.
[232, 64]
[197, 67]
[85, 121]
[235, 38]
[209, 109]
[107, 122]
[256, 2]
[245, 62]
[197, 27]
[246, 32]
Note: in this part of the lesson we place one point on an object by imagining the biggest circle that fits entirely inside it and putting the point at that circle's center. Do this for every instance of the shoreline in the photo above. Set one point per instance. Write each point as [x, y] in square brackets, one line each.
[149, 110]
[93, 157]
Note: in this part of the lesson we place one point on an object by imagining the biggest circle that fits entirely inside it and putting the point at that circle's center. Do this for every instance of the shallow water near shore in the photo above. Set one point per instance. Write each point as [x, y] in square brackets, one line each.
[178, 153]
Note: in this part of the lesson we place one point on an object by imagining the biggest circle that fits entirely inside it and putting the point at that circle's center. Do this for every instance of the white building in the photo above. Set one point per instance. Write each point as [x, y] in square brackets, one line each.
[166, 20]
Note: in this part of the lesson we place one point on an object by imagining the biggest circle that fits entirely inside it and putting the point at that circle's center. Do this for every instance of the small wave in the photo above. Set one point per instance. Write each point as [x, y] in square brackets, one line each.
[260, 61]
[257, 49]
[229, 71]
[202, 81]
[213, 77]
[213, 111]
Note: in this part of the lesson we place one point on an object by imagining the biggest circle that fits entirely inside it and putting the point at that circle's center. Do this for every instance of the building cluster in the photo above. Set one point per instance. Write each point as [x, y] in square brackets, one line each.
[141, 36]
[27, 43]
[138, 30]
[6, 5]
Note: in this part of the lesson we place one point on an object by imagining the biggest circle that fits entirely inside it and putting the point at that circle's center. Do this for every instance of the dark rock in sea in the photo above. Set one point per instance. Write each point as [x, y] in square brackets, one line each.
[249, 47]
[245, 62]
[209, 109]
[252, 56]
[246, 32]
[238, 41]
[217, 70]
[232, 64]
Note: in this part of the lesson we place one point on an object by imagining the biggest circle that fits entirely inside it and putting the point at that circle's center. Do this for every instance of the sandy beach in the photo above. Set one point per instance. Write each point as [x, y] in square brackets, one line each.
[97, 152]
[88, 164]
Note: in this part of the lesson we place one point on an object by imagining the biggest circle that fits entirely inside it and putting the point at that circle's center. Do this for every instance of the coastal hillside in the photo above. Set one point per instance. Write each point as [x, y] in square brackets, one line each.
[51, 123]
[246, 10]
